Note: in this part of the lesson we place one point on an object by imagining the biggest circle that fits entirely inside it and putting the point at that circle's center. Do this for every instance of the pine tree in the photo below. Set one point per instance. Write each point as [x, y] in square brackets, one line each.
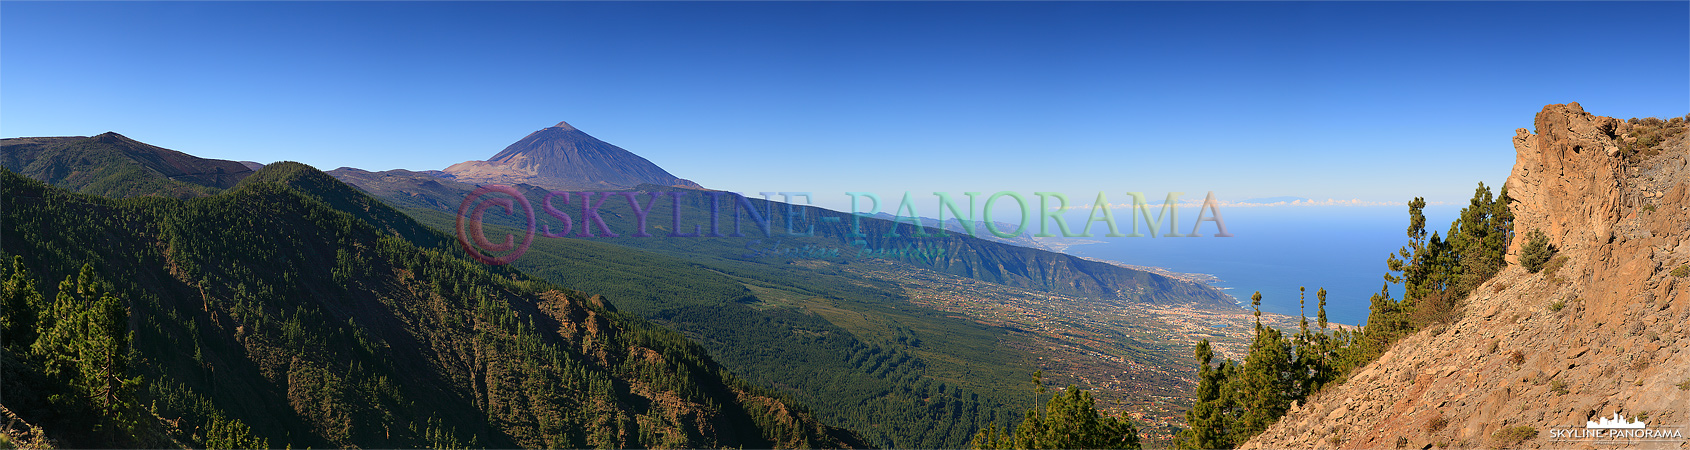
[1207, 420]
[1237, 401]
[1385, 321]
[1256, 305]
[1321, 294]
[1265, 380]
[990, 438]
[1069, 420]
[1536, 252]
[1413, 266]
[86, 345]
[1402, 263]
[1502, 226]
[21, 307]
[1480, 237]
[1325, 352]
[1308, 353]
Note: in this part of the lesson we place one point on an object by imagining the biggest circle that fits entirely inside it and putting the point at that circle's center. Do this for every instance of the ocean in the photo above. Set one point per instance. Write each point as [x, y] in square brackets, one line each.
[1277, 249]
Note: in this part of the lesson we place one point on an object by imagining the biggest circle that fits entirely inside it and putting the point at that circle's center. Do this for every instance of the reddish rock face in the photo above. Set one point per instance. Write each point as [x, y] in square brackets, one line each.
[1572, 182]
[1566, 177]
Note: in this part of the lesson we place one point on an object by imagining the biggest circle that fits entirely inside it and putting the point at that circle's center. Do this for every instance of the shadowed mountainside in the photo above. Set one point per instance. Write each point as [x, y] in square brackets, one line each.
[111, 165]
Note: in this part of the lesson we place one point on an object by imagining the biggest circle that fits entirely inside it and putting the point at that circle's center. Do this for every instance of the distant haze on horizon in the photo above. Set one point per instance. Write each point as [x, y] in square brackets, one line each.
[1377, 102]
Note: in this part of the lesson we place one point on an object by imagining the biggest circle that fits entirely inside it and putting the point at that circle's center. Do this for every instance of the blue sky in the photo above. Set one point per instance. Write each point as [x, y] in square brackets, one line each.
[1365, 100]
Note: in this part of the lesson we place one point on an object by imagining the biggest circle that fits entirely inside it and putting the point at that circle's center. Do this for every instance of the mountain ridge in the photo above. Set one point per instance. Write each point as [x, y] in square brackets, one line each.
[113, 165]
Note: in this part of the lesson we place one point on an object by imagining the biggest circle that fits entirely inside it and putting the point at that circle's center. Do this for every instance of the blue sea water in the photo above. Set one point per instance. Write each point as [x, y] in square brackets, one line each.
[1277, 249]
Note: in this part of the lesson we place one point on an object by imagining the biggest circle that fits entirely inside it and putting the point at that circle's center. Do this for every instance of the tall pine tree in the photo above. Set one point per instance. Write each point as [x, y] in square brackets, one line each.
[1070, 420]
[85, 345]
[21, 307]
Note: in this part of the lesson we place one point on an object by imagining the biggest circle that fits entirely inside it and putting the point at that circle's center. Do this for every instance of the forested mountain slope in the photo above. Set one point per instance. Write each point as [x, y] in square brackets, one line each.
[291, 310]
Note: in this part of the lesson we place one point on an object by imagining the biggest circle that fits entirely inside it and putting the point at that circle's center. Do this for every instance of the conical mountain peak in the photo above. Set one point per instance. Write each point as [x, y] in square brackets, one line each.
[563, 157]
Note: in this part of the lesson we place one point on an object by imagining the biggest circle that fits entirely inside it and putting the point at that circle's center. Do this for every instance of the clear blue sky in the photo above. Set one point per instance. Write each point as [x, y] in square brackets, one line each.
[1376, 101]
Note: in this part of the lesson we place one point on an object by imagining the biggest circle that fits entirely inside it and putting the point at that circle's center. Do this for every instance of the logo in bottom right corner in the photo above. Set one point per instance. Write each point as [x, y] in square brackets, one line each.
[1617, 430]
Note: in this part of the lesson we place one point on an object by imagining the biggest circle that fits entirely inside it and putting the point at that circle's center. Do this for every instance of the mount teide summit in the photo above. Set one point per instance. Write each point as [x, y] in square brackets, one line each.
[562, 157]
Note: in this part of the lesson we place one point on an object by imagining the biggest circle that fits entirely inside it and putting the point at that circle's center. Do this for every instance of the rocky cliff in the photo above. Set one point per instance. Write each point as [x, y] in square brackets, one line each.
[1603, 329]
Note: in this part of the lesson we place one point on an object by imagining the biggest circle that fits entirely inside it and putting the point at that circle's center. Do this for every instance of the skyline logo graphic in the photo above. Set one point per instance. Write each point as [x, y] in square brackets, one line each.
[1617, 422]
[1618, 430]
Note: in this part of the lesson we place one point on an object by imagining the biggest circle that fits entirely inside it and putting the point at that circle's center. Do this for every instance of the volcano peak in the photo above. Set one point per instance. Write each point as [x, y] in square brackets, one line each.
[563, 157]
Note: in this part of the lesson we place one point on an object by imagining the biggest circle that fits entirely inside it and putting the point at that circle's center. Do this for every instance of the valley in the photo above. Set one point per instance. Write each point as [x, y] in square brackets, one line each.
[1132, 355]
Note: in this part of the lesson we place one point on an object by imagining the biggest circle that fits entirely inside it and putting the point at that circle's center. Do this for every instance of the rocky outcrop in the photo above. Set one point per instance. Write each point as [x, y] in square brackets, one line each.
[1567, 177]
[1603, 329]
